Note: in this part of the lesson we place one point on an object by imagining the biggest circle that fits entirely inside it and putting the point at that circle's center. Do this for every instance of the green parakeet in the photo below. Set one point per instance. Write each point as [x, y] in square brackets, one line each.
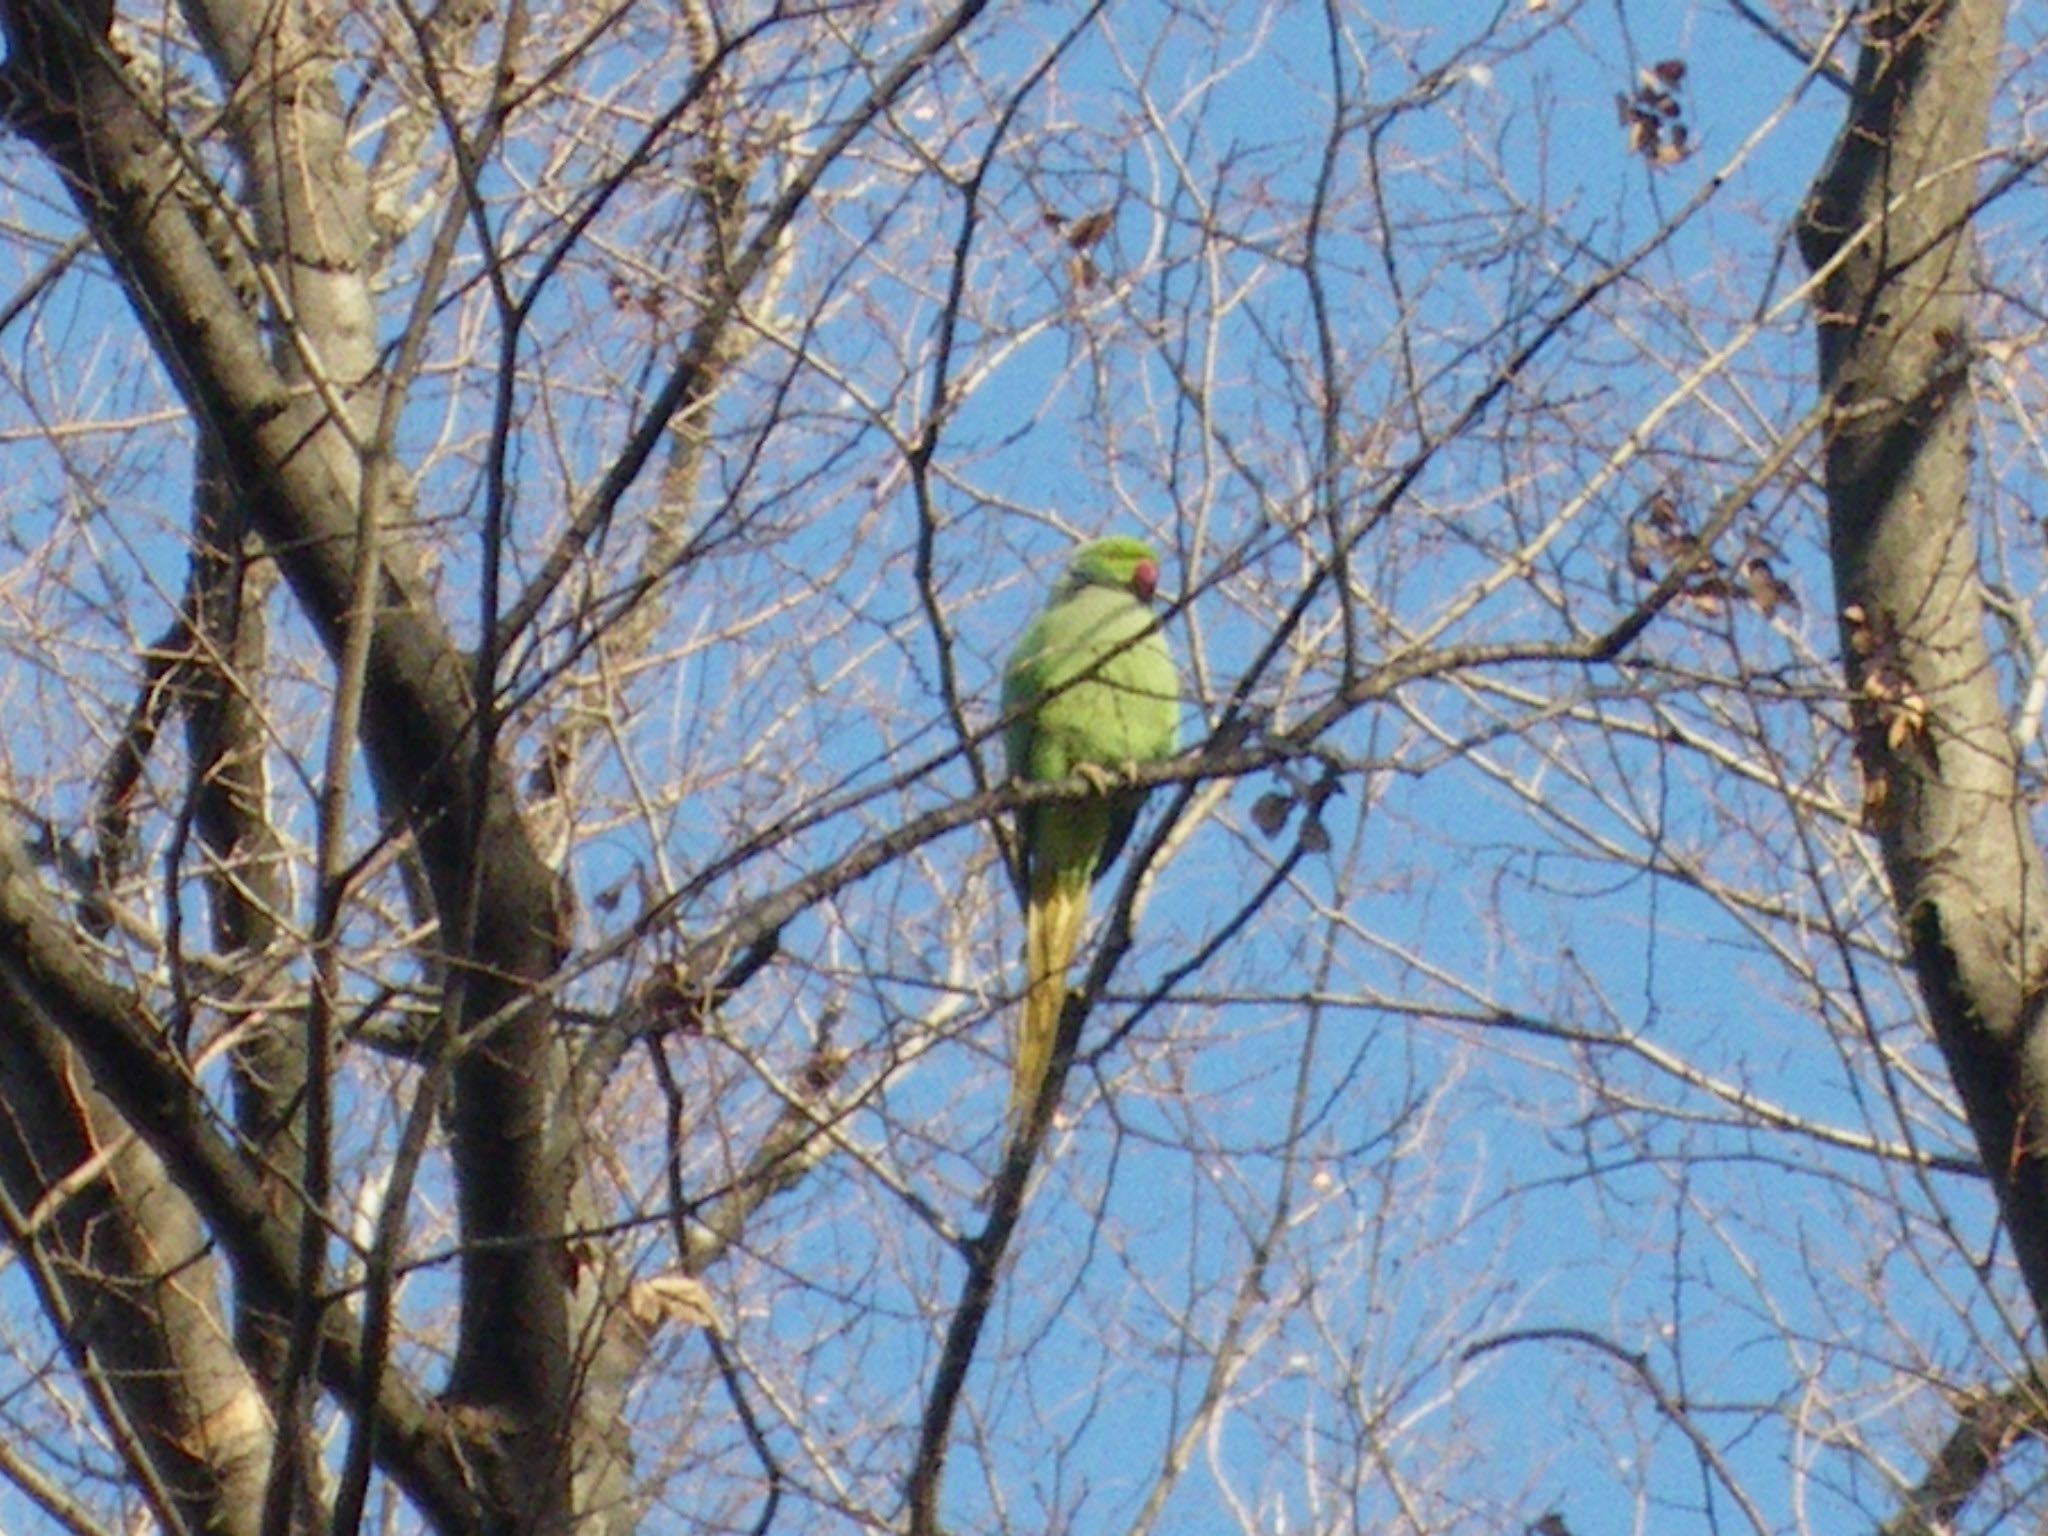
[1091, 689]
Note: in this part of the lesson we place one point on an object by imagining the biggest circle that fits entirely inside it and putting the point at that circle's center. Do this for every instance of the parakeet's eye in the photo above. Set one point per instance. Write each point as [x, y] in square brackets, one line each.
[1145, 579]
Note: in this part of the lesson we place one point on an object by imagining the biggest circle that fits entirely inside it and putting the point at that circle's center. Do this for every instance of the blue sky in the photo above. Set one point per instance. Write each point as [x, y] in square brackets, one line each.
[1457, 1076]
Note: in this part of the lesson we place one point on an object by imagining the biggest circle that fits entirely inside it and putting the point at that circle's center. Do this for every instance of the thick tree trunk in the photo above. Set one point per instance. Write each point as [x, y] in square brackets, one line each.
[1888, 225]
[297, 468]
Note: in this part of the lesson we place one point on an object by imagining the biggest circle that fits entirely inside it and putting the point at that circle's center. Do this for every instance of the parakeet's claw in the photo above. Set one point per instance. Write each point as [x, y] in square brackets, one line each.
[1100, 779]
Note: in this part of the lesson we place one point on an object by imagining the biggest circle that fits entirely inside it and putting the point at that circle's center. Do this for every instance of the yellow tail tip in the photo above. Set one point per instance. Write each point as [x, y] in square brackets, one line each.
[1052, 932]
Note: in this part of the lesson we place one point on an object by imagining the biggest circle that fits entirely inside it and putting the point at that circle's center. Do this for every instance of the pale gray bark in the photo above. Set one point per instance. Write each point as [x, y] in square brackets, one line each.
[1888, 222]
[121, 1260]
[51, 987]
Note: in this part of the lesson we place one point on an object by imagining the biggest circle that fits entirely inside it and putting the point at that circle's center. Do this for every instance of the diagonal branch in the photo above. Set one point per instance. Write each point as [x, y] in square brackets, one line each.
[52, 984]
[1988, 1425]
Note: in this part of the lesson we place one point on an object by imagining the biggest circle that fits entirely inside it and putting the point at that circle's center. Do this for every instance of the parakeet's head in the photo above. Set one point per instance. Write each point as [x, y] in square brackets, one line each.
[1124, 563]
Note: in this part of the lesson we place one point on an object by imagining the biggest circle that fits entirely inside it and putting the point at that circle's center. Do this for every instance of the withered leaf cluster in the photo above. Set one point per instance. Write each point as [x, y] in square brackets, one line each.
[1272, 811]
[1889, 711]
[1081, 236]
[1659, 538]
[1653, 116]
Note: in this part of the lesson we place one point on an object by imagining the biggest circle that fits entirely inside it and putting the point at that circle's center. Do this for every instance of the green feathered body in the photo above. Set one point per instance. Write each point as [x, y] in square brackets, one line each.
[1091, 685]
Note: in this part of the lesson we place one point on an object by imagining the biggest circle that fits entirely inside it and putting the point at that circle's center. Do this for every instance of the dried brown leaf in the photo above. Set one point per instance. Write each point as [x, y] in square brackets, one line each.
[672, 1298]
[1090, 228]
[1270, 812]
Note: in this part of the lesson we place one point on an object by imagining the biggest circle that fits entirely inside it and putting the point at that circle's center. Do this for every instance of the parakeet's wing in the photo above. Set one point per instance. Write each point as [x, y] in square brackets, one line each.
[1024, 686]
[1141, 702]
[1092, 681]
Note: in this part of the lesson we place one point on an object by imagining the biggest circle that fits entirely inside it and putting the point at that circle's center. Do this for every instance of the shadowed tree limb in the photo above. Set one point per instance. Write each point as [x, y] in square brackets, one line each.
[1988, 1424]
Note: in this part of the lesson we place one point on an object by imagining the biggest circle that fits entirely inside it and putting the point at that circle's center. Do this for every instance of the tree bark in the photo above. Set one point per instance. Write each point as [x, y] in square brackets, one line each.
[122, 1260]
[281, 437]
[1888, 226]
[47, 982]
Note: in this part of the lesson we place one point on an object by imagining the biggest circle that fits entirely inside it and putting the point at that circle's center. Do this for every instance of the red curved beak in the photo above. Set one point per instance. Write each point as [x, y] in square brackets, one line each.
[1145, 580]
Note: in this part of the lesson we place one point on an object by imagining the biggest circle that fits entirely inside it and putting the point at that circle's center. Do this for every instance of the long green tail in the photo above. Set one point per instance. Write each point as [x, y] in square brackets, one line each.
[1066, 841]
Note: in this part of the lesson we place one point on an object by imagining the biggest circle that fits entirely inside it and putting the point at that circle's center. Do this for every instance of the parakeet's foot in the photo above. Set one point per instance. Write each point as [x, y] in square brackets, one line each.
[1100, 779]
